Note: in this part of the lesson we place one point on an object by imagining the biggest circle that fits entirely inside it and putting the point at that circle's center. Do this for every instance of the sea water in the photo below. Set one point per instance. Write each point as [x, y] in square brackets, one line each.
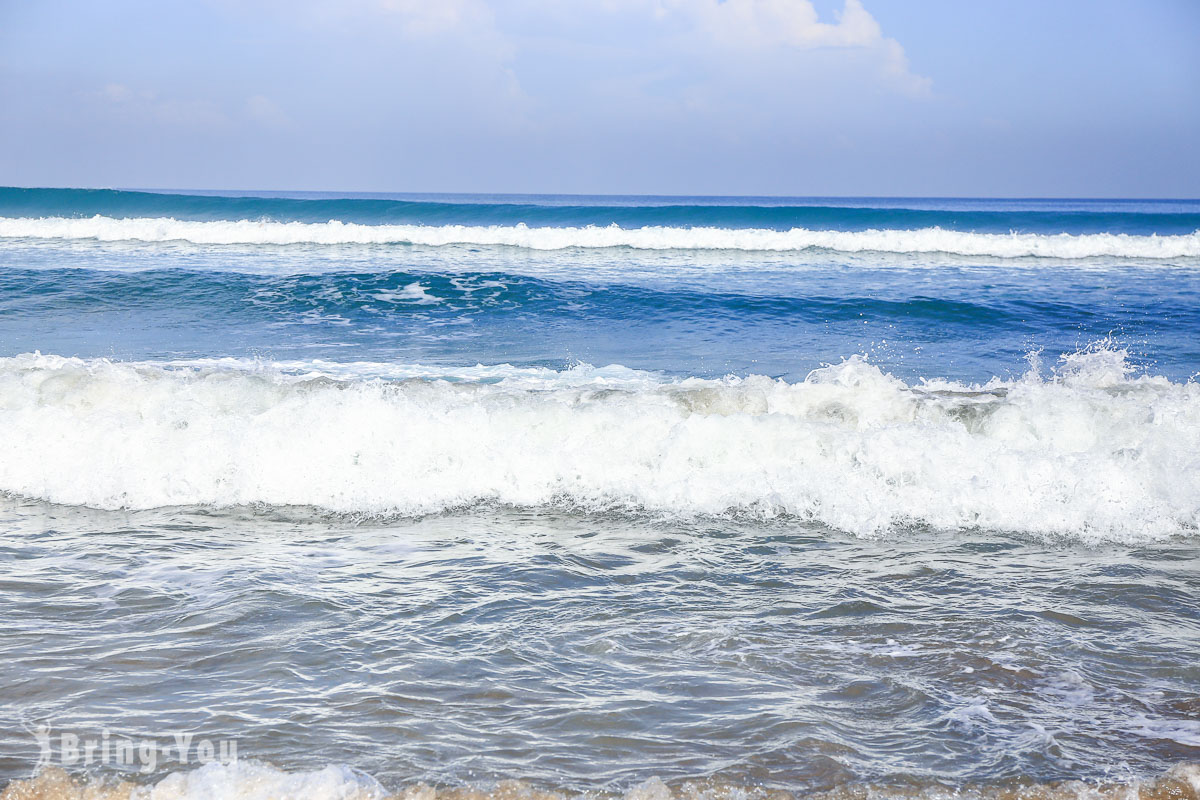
[525, 497]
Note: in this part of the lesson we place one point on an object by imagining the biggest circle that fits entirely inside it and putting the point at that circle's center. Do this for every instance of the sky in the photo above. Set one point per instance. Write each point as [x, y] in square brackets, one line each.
[979, 98]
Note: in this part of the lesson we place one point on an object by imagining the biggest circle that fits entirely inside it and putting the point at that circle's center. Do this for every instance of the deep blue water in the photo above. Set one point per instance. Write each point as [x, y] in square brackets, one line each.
[697, 312]
[1163, 217]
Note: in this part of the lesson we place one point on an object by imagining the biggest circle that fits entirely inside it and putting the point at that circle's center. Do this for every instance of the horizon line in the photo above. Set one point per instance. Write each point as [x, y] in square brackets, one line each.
[383, 194]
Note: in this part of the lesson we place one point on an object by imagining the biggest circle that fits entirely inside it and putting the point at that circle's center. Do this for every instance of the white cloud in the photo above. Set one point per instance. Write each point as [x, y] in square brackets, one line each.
[266, 112]
[437, 16]
[497, 34]
[751, 31]
[116, 93]
[149, 105]
[774, 25]
[471, 20]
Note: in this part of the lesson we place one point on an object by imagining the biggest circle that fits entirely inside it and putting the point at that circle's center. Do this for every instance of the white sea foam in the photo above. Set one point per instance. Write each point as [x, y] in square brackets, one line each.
[252, 781]
[412, 293]
[1183, 731]
[1088, 452]
[926, 240]
[238, 780]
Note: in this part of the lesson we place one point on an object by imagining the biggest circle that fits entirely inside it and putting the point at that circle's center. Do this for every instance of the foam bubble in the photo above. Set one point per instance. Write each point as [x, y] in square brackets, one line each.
[1089, 452]
[925, 240]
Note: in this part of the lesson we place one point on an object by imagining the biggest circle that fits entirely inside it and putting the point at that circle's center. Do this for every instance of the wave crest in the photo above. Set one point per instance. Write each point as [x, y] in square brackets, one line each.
[1089, 452]
[925, 240]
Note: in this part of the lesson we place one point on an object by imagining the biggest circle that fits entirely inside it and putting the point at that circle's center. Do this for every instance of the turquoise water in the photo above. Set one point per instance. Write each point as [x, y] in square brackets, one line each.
[813, 495]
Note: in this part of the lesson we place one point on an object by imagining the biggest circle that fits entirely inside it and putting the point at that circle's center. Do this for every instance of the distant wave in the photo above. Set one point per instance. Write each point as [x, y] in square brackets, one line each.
[1089, 452]
[925, 240]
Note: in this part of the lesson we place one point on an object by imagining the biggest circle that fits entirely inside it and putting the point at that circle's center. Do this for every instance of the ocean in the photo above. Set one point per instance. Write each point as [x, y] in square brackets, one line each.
[314, 495]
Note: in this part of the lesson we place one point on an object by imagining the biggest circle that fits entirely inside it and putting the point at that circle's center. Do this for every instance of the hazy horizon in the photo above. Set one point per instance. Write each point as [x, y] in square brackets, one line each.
[352, 193]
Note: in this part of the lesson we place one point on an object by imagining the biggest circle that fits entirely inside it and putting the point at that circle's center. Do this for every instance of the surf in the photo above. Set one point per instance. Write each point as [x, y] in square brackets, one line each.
[334, 232]
[1089, 451]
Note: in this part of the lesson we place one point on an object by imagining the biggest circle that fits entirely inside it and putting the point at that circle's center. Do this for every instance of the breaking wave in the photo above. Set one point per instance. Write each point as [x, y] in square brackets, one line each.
[925, 240]
[1089, 451]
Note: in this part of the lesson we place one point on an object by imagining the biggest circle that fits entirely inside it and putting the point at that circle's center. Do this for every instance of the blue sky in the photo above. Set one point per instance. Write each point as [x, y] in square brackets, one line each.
[786, 97]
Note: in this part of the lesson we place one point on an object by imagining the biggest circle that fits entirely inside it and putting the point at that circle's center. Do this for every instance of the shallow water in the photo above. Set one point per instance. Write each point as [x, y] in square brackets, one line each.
[579, 652]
